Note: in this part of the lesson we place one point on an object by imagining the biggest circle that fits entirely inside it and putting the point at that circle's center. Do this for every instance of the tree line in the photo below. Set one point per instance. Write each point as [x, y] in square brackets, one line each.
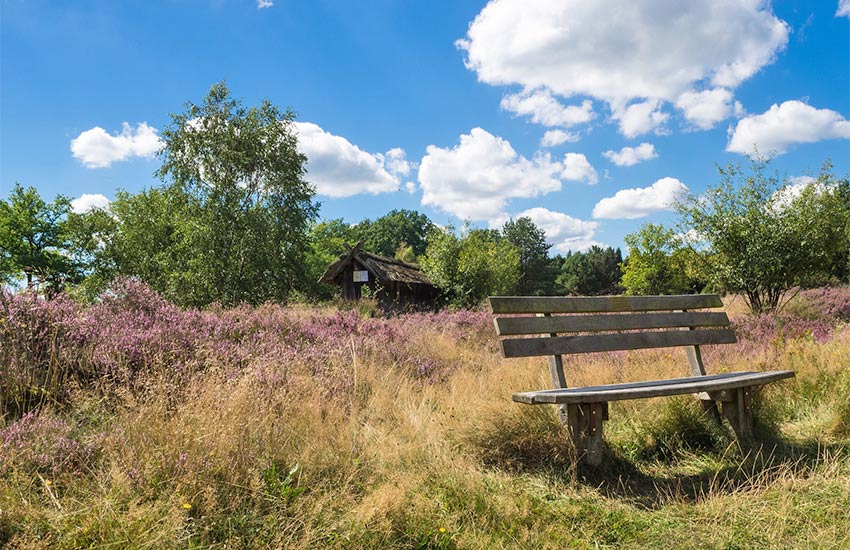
[235, 220]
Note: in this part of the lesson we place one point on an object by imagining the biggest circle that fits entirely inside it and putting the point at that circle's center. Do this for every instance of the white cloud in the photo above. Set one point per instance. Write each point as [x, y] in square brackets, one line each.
[338, 168]
[475, 179]
[640, 118]
[802, 180]
[86, 202]
[262, 4]
[708, 107]
[843, 8]
[396, 162]
[629, 156]
[544, 109]
[563, 232]
[787, 194]
[96, 148]
[640, 202]
[553, 138]
[623, 52]
[784, 125]
[578, 168]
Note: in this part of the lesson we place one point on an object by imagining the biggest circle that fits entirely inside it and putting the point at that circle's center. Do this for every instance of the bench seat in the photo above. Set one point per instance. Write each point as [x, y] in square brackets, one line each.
[651, 388]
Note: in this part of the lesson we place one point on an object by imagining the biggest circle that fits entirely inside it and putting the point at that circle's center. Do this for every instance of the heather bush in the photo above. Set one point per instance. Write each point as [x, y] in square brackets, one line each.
[40, 345]
[44, 444]
[134, 339]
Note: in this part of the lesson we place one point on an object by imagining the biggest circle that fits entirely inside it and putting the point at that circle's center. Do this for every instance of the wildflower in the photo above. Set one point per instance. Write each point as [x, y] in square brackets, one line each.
[47, 482]
[442, 529]
[187, 506]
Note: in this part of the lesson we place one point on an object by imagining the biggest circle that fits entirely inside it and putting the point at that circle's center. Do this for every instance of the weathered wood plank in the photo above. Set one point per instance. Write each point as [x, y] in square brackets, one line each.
[600, 304]
[530, 347]
[511, 326]
[651, 388]
[556, 373]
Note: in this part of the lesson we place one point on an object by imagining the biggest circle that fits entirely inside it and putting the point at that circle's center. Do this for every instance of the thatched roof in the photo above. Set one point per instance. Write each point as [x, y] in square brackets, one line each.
[383, 269]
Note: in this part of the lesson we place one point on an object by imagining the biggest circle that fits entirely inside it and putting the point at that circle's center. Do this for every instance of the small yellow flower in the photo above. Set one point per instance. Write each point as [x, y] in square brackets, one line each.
[442, 529]
[47, 482]
[187, 506]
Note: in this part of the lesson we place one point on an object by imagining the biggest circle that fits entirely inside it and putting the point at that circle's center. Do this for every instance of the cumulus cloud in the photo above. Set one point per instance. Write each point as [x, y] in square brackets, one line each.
[629, 156]
[475, 179]
[542, 108]
[782, 126]
[801, 180]
[553, 138]
[87, 202]
[338, 168]
[563, 232]
[637, 203]
[97, 148]
[578, 168]
[623, 52]
[640, 118]
[786, 195]
[843, 8]
[262, 4]
[706, 108]
[396, 162]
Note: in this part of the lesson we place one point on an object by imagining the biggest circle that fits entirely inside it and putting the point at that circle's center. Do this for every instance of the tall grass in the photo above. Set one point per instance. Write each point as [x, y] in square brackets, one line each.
[134, 423]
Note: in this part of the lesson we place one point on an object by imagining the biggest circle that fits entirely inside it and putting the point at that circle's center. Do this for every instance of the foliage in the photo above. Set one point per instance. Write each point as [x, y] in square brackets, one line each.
[230, 224]
[471, 267]
[766, 239]
[33, 240]
[328, 240]
[91, 237]
[537, 273]
[384, 235]
[596, 272]
[405, 253]
[656, 262]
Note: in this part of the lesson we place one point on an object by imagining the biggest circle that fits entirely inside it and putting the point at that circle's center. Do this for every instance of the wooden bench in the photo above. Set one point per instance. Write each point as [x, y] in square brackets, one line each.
[610, 323]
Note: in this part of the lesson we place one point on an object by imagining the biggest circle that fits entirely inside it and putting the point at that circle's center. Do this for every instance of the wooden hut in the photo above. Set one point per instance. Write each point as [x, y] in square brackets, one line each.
[394, 284]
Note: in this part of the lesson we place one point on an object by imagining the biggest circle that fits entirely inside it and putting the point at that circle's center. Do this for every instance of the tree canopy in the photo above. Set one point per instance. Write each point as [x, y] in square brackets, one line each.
[230, 223]
[471, 267]
[33, 240]
[656, 263]
[767, 236]
[537, 272]
[596, 272]
[386, 234]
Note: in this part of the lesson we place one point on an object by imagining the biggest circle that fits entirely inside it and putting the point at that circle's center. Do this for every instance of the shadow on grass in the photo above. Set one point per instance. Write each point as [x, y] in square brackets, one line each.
[656, 484]
[677, 456]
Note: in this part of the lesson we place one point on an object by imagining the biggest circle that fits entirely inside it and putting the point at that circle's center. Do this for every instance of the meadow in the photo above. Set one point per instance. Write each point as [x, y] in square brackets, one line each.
[133, 423]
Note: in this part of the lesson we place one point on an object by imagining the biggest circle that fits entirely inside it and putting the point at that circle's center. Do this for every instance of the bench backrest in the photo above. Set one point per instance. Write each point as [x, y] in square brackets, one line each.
[614, 323]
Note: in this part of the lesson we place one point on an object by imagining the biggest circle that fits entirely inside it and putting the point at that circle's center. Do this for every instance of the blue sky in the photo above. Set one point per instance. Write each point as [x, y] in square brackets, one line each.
[590, 117]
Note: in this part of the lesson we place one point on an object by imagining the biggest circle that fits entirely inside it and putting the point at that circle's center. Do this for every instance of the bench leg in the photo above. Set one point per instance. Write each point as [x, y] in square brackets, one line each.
[585, 427]
[710, 409]
[736, 409]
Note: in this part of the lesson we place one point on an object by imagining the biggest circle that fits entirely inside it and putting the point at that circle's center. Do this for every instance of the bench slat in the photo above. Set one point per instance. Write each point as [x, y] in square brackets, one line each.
[529, 347]
[652, 388]
[509, 326]
[600, 304]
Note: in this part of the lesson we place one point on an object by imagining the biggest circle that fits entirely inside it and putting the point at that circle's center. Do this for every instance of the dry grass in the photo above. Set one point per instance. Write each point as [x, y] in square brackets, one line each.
[389, 461]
